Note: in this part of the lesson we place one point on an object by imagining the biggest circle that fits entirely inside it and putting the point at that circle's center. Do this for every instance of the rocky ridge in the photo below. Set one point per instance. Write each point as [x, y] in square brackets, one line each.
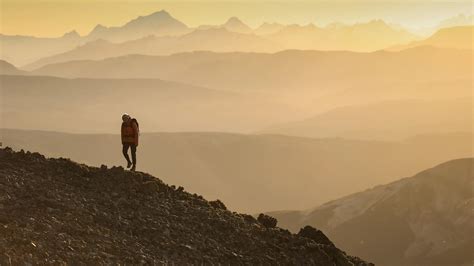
[58, 211]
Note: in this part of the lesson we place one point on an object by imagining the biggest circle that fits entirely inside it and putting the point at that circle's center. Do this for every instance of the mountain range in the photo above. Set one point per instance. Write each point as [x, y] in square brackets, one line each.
[225, 40]
[421, 220]
[285, 70]
[25, 50]
[255, 173]
[22, 50]
[212, 39]
[229, 39]
[160, 26]
[159, 23]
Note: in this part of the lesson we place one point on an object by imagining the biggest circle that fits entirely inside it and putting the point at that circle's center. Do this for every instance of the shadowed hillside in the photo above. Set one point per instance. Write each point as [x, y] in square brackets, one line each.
[422, 220]
[252, 173]
[55, 211]
[8, 69]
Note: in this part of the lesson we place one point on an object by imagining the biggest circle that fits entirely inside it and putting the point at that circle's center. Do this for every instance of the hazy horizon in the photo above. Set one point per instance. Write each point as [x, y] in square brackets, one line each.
[26, 17]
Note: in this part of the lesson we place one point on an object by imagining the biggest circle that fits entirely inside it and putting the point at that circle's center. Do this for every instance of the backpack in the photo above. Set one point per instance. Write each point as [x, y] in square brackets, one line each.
[134, 120]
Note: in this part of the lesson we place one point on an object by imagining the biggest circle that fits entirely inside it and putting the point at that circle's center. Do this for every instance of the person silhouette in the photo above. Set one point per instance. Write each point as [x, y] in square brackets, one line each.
[129, 134]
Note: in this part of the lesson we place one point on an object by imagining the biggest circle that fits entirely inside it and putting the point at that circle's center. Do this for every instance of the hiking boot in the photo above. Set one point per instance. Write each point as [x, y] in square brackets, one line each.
[129, 164]
[133, 168]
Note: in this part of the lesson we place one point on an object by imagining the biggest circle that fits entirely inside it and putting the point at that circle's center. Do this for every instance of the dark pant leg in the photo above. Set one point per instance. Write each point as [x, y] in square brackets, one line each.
[133, 148]
[125, 151]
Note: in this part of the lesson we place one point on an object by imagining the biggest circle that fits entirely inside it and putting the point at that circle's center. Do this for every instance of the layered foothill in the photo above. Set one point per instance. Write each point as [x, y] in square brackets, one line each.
[58, 211]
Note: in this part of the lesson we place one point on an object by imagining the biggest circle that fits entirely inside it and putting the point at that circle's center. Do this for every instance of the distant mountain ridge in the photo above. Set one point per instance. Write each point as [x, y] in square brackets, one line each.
[211, 39]
[235, 36]
[23, 50]
[294, 69]
[233, 24]
[364, 37]
[460, 37]
[422, 220]
[361, 37]
[455, 21]
[159, 23]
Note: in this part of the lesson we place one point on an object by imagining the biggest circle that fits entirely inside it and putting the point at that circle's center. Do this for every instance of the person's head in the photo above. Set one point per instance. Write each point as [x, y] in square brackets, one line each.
[126, 118]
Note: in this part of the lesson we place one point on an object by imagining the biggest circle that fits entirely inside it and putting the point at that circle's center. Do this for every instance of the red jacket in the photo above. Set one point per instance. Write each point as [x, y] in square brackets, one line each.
[129, 133]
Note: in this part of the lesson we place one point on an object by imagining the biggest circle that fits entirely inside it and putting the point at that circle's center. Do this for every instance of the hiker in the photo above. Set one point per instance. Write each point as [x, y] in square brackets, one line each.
[130, 131]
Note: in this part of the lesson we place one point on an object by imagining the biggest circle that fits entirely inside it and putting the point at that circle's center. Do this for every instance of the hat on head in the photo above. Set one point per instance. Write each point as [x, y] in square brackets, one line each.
[125, 116]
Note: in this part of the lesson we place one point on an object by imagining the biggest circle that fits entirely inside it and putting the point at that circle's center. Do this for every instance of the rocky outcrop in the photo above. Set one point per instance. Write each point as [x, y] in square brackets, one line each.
[267, 220]
[58, 211]
[315, 234]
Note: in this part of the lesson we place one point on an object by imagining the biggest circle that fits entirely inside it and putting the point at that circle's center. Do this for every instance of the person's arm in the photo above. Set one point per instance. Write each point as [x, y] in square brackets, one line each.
[135, 132]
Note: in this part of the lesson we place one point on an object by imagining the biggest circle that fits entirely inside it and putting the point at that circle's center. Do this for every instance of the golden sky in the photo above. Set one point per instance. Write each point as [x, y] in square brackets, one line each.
[55, 17]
